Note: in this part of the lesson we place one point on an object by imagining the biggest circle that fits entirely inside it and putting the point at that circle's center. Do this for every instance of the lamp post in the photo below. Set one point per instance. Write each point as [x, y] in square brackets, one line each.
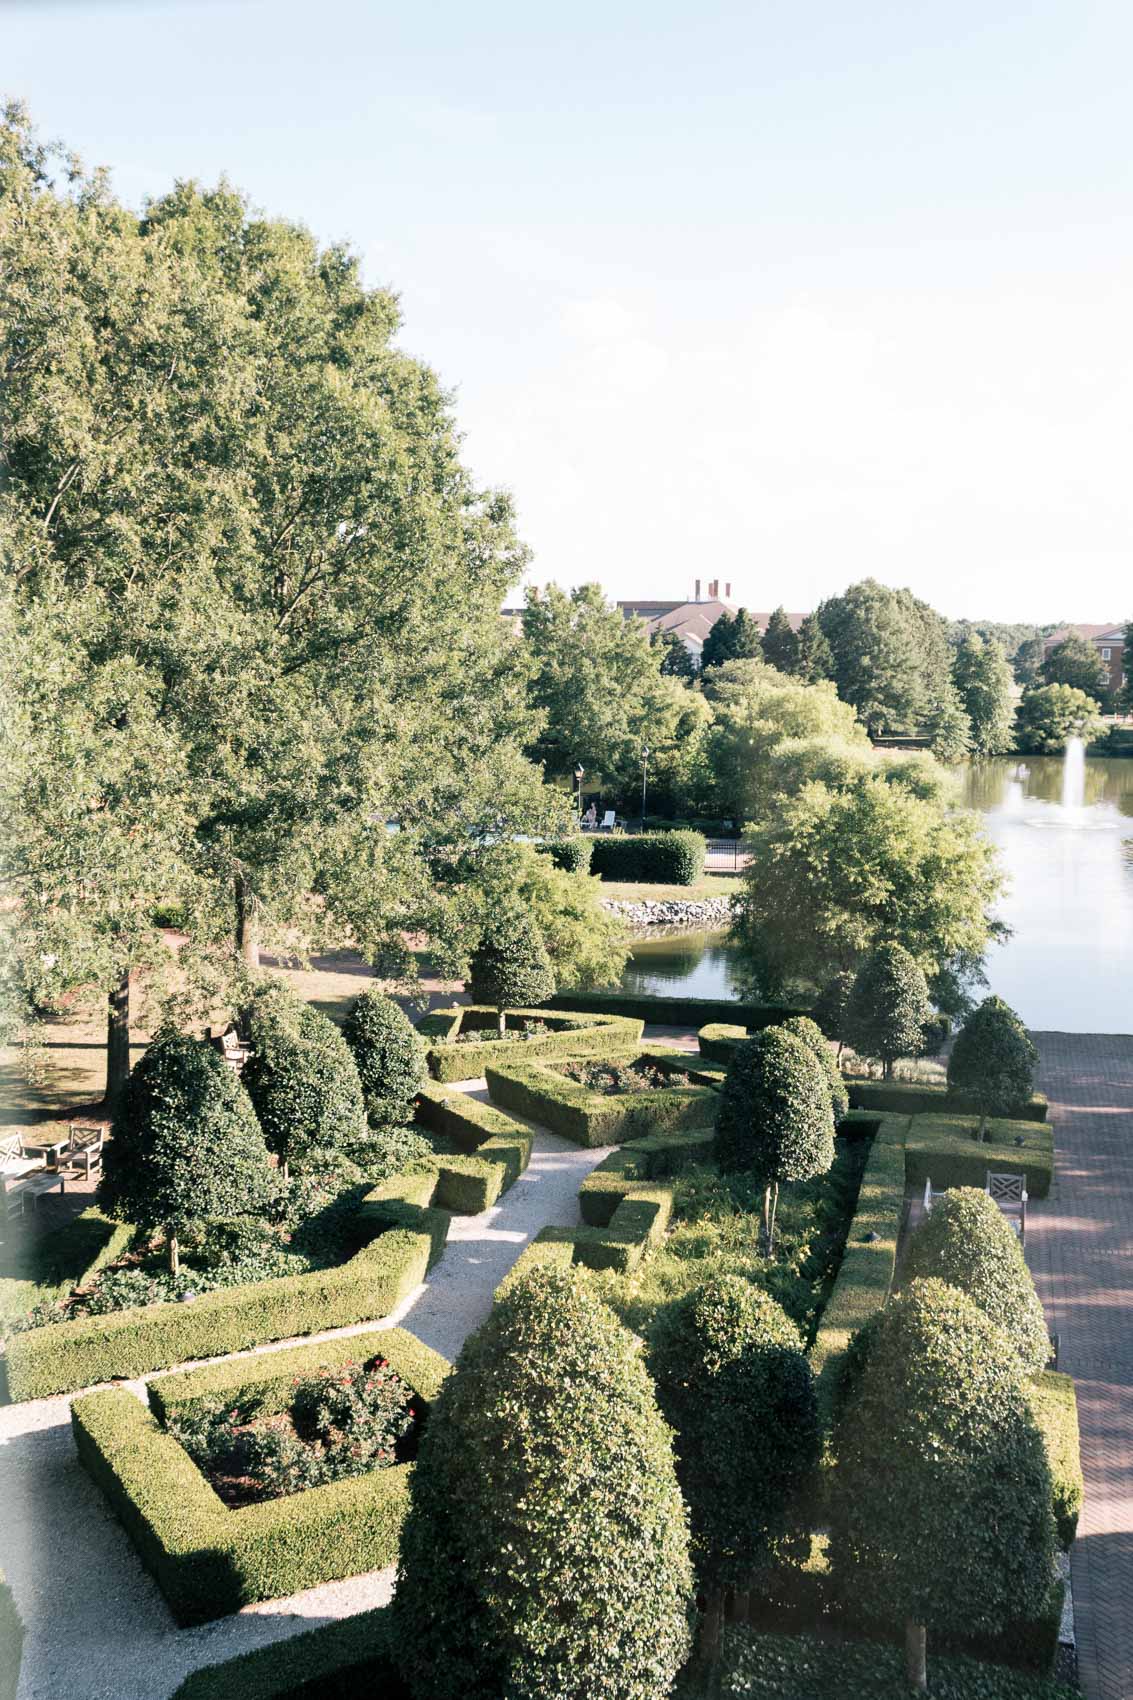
[578, 773]
[644, 768]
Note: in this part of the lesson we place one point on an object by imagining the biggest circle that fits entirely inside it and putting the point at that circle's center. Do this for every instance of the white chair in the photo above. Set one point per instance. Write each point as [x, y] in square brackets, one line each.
[14, 1160]
[607, 824]
[1010, 1193]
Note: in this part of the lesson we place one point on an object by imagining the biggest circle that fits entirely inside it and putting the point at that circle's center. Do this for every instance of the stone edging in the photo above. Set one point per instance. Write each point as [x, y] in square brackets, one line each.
[673, 912]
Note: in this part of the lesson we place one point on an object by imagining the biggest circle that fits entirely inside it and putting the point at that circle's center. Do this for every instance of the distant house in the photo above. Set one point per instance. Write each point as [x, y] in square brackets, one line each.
[692, 621]
[1109, 641]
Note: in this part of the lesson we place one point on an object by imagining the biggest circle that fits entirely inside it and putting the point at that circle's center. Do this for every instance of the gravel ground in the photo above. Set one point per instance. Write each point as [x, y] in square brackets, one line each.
[97, 1627]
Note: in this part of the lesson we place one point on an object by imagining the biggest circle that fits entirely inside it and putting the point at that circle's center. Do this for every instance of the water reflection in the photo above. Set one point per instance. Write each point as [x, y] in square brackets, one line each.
[691, 964]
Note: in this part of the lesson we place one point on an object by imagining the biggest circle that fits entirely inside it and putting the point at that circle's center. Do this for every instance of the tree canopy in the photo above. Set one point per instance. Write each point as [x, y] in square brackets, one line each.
[983, 680]
[891, 656]
[992, 1060]
[888, 1008]
[780, 645]
[1076, 662]
[1050, 715]
[510, 966]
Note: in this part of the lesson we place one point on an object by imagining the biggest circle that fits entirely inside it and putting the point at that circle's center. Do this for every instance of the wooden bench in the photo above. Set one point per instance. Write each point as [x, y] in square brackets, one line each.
[84, 1152]
[30, 1188]
[1010, 1193]
[232, 1048]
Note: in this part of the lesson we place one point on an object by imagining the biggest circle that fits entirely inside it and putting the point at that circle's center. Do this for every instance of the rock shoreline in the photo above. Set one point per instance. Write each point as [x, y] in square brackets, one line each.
[673, 912]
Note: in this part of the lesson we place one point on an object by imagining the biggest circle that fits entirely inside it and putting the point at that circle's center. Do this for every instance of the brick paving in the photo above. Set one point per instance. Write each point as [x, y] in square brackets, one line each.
[1080, 1247]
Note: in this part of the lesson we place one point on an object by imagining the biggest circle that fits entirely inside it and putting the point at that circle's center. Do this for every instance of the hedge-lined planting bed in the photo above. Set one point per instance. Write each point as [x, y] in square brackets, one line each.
[1055, 1409]
[497, 1149]
[11, 1642]
[655, 858]
[675, 1012]
[630, 1166]
[401, 1235]
[592, 1118]
[865, 1274]
[337, 1661]
[914, 1098]
[604, 1036]
[50, 1265]
[718, 1039]
[941, 1148]
[209, 1560]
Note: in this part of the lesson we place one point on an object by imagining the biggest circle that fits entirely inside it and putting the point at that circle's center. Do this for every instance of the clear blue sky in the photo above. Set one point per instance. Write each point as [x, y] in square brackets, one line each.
[780, 293]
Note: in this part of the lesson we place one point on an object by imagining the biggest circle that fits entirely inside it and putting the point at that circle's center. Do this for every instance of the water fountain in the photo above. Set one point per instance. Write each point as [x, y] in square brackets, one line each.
[1074, 774]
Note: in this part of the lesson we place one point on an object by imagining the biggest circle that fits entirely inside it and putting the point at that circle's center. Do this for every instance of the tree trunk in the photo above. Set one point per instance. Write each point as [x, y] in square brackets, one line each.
[916, 1670]
[771, 1229]
[247, 933]
[767, 1219]
[983, 1130]
[117, 1040]
[887, 1070]
[174, 1255]
[503, 1023]
[711, 1622]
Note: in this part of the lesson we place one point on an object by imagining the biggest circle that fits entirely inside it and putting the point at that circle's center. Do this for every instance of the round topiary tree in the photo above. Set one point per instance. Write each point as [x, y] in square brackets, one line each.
[811, 1035]
[389, 1055]
[510, 966]
[830, 1005]
[993, 1060]
[546, 1547]
[939, 1501]
[734, 1380]
[968, 1242]
[300, 1076]
[888, 1007]
[774, 1118]
[187, 1149]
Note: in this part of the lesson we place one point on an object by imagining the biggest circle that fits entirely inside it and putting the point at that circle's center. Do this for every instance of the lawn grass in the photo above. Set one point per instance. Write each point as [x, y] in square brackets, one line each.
[708, 885]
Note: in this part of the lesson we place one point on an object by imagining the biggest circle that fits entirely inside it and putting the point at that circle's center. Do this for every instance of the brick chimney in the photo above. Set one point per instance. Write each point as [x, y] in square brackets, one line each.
[713, 589]
[727, 592]
[696, 598]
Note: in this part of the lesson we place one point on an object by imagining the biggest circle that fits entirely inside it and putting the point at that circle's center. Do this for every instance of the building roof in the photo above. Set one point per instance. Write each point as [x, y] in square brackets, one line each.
[1094, 634]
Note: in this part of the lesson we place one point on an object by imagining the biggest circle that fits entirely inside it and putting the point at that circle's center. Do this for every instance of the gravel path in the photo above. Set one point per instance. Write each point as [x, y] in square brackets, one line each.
[97, 1627]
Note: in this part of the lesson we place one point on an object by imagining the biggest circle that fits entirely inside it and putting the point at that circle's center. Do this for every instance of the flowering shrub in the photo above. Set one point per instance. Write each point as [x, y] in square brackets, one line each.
[609, 1078]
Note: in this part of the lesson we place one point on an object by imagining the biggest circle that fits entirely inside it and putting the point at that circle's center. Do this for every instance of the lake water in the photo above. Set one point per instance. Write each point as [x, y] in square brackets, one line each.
[1065, 834]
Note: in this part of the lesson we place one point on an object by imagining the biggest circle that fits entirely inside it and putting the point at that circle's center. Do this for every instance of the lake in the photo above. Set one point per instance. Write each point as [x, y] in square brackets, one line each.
[1065, 833]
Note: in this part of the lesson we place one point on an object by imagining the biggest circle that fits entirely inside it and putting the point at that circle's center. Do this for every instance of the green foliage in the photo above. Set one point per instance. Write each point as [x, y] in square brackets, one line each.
[601, 1035]
[662, 858]
[993, 1059]
[732, 637]
[572, 855]
[944, 1149]
[890, 654]
[940, 1499]
[814, 659]
[676, 660]
[811, 1035]
[734, 1382]
[981, 674]
[510, 966]
[301, 1075]
[967, 1242]
[1049, 715]
[186, 1148]
[389, 1055]
[516, 1576]
[948, 726]
[11, 1642]
[803, 1667]
[542, 1094]
[1075, 662]
[780, 646]
[829, 1012]
[333, 1662]
[587, 945]
[40, 1269]
[775, 1118]
[1055, 1409]
[914, 1097]
[888, 1008]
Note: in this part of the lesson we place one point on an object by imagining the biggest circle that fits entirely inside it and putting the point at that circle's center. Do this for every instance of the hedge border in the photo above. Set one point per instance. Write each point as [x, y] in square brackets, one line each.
[496, 1149]
[11, 1641]
[592, 1118]
[916, 1098]
[675, 857]
[941, 1148]
[675, 1012]
[609, 1036]
[209, 1560]
[114, 1243]
[1054, 1405]
[359, 1646]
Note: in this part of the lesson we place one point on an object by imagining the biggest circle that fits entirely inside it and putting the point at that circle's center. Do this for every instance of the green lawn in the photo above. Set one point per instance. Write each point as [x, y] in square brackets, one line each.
[708, 885]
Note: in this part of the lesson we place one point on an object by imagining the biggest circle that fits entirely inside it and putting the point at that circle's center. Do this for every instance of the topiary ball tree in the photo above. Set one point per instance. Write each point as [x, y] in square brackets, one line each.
[939, 1499]
[774, 1119]
[300, 1076]
[888, 1007]
[811, 1035]
[829, 1010]
[187, 1148]
[510, 966]
[993, 1060]
[546, 1549]
[389, 1055]
[734, 1380]
[968, 1242]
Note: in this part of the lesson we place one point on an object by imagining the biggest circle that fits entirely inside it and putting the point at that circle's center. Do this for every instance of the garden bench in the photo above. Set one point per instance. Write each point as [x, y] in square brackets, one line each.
[1010, 1193]
[14, 1160]
[232, 1048]
[85, 1149]
[17, 1193]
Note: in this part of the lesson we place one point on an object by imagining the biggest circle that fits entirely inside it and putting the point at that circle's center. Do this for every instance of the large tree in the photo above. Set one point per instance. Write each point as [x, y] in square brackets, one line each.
[983, 679]
[780, 644]
[814, 659]
[1076, 662]
[1050, 715]
[733, 637]
[883, 648]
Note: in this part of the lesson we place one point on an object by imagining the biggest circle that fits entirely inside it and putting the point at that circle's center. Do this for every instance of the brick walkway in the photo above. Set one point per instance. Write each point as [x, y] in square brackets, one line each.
[1080, 1247]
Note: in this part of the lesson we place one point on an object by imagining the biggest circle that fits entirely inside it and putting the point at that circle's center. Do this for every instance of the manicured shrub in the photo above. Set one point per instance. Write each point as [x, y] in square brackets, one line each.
[942, 1149]
[914, 1098]
[572, 854]
[830, 1005]
[510, 966]
[389, 1055]
[774, 1117]
[540, 1093]
[566, 1036]
[811, 1035]
[992, 1063]
[968, 1242]
[733, 1380]
[939, 1502]
[546, 1548]
[1055, 1408]
[804, 1667]
[888, 1007]
[187, 1149]
[650, 858]
[301, 1075]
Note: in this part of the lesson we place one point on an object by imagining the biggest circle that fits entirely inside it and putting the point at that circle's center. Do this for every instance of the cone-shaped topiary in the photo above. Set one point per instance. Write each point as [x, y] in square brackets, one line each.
[811, 1035]
[734, 1380]
[389, 1055]
[300, 1076]
[888, 1007]
[939, 1501]
[968, 1242]
[187, 1148]
[775, 1117]
[510, 966]
[545, 1552]
[993, 1061]
[830, 1005]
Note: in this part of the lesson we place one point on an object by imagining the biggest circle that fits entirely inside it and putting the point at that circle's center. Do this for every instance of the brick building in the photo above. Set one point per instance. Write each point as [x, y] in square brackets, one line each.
[1109, 641]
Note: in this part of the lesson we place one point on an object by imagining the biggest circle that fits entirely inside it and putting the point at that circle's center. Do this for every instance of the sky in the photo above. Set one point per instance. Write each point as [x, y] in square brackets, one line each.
[780, 294]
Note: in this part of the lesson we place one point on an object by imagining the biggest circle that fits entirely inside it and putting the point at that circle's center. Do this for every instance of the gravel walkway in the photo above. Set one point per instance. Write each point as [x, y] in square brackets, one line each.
[97, 1627]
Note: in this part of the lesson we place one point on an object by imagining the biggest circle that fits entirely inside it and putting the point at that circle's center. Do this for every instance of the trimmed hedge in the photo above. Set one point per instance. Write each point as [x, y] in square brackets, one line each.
[676, 1012]
[571, 854]
[497, 1149]
[621, 1173]
[51, 1265]
[605, 1036]
[941, 1148]
[912, 1098]
[401, 1234]
[11, 1642]
[337, 1661]
[593, 1118]
[209, 1560]
[799, 1667]
[653, 858]
[1055, 1409]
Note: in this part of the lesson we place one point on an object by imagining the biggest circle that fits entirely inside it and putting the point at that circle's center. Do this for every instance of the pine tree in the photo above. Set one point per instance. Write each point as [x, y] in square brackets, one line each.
[814, 659]
[746, 643]
[717, 647]
[780, 645]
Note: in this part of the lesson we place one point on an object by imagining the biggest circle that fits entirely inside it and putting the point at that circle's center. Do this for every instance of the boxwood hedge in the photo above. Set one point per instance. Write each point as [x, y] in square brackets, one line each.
[1055, 1409]
[799, 1667]
[571, 854]
[914, 1098]
[497, 1148]
[603, 1036]
[209, 1560]
[943, 1149]
[676, 1012]
[593, 1118]
[656, 858]
[336, 1661]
